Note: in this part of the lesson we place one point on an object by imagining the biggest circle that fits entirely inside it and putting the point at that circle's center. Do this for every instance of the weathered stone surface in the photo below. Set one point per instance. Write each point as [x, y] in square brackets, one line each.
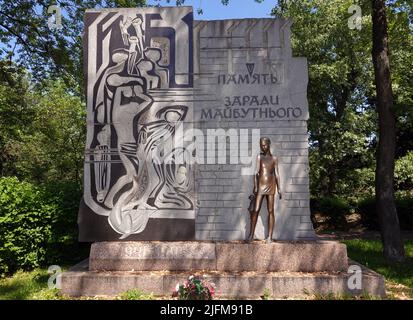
[220, 256]
[282, 256]
[78, 281]
[126, 256]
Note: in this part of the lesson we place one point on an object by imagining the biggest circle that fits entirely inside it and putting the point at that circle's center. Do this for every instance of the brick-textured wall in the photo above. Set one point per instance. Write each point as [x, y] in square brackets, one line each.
[223, 48]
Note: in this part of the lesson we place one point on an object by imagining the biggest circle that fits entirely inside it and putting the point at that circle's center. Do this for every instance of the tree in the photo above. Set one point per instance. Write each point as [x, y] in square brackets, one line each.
[320, 33]
[53, 149]
[42, 130]
[16, 113]
[340, 76]
[28, 41]
[34, 147]
[393, 248]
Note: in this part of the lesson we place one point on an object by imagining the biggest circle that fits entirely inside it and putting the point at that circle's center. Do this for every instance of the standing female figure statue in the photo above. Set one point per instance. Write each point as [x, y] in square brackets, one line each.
[266, 183]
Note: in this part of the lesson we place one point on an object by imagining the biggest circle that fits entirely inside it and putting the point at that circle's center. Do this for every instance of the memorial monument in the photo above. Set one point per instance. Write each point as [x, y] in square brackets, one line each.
[176, 109]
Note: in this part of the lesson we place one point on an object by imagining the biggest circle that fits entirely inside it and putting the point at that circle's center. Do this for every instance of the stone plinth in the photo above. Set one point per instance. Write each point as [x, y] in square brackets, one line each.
[127, 256]
[286, 269]
[80, 282]
[317, 256]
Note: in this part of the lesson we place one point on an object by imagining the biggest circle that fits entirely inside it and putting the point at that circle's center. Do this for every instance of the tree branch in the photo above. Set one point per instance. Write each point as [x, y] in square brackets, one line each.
[20, 38]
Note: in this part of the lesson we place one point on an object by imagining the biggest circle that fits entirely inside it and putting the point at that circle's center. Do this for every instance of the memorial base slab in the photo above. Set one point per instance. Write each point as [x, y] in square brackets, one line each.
[286, 269]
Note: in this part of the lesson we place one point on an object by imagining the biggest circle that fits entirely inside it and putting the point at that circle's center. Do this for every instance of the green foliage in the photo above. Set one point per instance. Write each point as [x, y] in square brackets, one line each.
[369, 217]
[340, 73]
[137, 294]
[42, 131]
[403, 172]
[15, 113]
[23, 226]
[28, 40]
[333, 209]
[37, 222]
[367, 210]
[54, 148]
[404, 208]
[343, 121]
[195, 288]
[267, 294]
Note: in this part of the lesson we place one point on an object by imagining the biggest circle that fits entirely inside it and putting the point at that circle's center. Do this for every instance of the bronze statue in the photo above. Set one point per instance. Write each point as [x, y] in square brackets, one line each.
[266, 183]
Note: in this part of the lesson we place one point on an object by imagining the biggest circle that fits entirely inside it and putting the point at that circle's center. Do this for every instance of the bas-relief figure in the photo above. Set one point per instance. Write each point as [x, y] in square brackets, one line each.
[266, 184]
[130, 167]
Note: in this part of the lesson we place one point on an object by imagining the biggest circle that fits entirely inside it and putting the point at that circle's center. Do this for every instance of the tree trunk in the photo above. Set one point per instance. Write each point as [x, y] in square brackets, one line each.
[386, 208]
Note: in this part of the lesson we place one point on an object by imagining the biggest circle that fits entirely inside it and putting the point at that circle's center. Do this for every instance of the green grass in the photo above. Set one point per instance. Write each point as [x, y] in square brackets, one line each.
[32, 285]
[369, 253]
[333, 296]
[25, 285]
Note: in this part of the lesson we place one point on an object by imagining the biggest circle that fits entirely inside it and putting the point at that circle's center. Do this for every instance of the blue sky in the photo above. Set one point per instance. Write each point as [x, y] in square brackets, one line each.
[236, 9]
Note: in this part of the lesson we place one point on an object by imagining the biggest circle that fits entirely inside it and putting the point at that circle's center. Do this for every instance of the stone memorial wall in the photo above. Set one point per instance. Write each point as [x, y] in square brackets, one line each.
[175, 110]
[257, 86]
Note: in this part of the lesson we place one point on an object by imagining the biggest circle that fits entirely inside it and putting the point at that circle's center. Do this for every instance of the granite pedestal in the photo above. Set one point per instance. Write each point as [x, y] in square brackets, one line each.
[239, 270]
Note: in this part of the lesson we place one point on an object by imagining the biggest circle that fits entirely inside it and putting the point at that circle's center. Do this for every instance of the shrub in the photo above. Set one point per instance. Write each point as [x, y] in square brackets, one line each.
[405, 212]
[333, 209]
[36, 222]
[369, 216]
[403, 172]
[63, 245]
[195, 288]
[24, 227]
[367, 210]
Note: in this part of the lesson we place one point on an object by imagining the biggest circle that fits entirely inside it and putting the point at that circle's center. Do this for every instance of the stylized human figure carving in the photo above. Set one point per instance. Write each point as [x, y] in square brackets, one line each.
[138, 129]
[145, 68]
[266, 183]
[134, 41]
[154, 55]
[151, 185]
[137, 23]
[104, 94]
[102, 167]
[129, 101]
[155, 138]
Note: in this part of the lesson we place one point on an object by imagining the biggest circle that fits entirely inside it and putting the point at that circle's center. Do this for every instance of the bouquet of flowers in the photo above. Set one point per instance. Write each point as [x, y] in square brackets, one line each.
[195, 288]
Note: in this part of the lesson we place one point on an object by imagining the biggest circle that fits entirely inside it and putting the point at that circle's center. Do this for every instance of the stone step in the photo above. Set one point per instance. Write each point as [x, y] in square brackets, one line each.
[79, 281]
[297, 256]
